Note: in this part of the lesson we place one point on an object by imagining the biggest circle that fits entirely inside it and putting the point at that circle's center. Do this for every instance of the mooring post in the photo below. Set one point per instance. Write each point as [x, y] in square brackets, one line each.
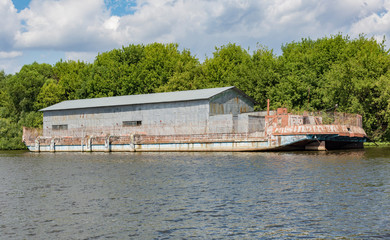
[107, 144]
[37, 145]
[89, 144]
[52, 145]
[132, 141]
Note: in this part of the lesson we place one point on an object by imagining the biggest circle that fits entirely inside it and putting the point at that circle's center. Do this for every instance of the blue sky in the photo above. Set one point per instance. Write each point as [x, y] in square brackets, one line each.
[21, 4]
[117, 7]
[47, 31]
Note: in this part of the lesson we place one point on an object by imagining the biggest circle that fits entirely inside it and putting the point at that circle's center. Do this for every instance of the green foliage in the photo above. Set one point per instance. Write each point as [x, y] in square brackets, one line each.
[24, 87]
[31, 119]
[10, 135]
[227, 64]
[71, 77]
[51, 93]
[18, 104]
[352, 74]
[264, 74]
[137, 69]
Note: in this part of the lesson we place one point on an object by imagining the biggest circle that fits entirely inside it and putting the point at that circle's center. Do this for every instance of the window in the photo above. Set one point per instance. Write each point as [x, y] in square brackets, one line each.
[131, 123]
[60, 127]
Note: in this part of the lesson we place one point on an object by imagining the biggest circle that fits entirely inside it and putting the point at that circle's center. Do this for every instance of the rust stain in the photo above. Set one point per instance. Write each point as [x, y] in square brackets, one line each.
[341, 130]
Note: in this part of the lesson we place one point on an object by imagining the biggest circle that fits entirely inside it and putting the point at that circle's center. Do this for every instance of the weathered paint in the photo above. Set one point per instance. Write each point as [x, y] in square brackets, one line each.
[230, 102]
[166, 118]
[223, 142]
[157, 119]
[340, 130]
[254, 131]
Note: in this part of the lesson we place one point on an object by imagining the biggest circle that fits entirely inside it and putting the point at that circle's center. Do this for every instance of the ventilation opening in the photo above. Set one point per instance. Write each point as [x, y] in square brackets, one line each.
[60, 127]
[131, 123]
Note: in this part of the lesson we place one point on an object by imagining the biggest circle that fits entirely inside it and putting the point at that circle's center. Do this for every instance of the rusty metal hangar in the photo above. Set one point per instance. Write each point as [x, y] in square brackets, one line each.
[205, 111]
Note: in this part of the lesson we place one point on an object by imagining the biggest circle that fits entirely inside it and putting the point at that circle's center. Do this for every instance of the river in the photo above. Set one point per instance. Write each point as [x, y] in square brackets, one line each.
[286, 195]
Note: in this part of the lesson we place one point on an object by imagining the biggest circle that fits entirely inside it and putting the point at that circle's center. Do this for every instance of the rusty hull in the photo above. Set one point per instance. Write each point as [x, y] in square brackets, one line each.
[283, 131]
[340, 130]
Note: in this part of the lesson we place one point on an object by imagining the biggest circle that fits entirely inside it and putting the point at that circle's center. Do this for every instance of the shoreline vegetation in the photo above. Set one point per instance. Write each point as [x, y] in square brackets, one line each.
[333, 73]
[377, 144]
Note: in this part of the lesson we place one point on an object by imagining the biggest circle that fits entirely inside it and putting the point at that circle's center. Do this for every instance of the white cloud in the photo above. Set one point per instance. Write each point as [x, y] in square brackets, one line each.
[82, 56]
[112, 23]
[201, 25]
[10, 65]
[11, 54]
[79, 29]
[64, 25]
[9, 24]
[74, 25]
[375, 22]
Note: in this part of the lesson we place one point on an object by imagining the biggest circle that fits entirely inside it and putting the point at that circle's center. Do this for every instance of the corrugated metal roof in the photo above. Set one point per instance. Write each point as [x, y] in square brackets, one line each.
[138, 99]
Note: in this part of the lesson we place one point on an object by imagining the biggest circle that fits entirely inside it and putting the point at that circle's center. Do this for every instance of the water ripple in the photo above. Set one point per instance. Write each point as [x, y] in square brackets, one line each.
[337, 194]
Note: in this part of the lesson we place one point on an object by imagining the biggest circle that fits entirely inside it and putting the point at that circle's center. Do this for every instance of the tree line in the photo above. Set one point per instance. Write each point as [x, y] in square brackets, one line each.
[352, 74]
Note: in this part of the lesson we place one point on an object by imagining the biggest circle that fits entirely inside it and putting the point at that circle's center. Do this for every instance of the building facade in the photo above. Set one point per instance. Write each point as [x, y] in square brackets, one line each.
[206, 111]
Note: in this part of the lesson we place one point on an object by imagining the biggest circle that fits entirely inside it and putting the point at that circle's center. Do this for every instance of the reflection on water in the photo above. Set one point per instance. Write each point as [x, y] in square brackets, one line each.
[195, 195]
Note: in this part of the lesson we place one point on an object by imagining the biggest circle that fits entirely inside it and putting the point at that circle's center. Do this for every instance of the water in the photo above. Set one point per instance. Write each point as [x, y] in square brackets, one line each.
[337, 194]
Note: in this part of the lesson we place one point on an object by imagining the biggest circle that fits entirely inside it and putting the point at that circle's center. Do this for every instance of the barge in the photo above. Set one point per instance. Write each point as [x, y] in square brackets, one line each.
[218, 119]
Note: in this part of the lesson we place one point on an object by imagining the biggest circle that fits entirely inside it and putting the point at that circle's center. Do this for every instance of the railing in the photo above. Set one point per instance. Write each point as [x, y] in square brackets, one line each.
[314, 118]
[337, 118]
[198, 137]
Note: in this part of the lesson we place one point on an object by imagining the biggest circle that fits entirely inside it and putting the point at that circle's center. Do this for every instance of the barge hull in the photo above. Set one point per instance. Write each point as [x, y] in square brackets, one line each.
[280, 131]
[128, 144]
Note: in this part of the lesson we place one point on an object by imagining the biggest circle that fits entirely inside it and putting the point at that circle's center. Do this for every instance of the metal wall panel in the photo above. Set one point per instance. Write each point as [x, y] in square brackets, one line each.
[230, 102]
[221, 124]
[174, 118]
[157, 119]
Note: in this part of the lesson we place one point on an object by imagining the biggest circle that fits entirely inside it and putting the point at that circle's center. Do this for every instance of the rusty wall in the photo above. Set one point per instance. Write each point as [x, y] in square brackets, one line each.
[156, 119]
[318, 118]
[304, 120]
[256, 123]
[250, 122]
[230, 102]
[173, 118]
[221, 124]
[30, 134]
[242, 123]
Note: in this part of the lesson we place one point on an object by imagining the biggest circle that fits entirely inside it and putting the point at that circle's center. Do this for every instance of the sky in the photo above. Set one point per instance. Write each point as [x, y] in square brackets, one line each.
[47, 31]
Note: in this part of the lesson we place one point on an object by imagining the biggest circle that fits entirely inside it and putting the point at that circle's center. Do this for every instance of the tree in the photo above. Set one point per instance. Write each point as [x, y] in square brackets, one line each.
[310, 75]
[188, 75]
[71, 76]
[50, 93]
[24, 87]
[227, 64]
[265, 74]
[137, 69]
[359, 84]
[303, 65]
